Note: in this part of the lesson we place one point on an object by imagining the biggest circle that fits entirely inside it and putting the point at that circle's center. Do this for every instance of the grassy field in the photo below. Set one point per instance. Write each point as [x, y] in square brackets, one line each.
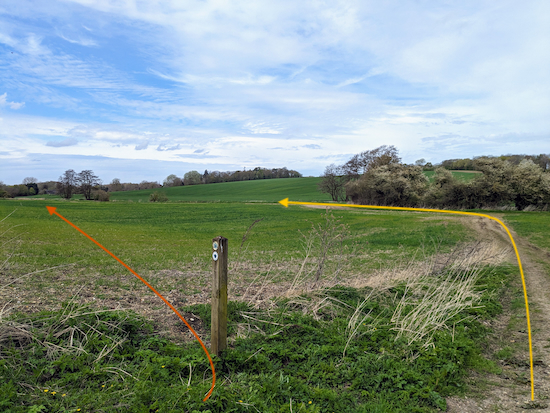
[152, 237]
[535, 226]
[333, 349]
[460, 175]
[266, 190]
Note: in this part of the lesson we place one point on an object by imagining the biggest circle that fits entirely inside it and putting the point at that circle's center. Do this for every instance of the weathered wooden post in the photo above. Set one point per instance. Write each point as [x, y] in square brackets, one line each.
[219, 295]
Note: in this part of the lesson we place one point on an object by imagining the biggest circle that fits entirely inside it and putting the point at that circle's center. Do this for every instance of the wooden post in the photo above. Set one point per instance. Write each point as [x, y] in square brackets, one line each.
[219, 295]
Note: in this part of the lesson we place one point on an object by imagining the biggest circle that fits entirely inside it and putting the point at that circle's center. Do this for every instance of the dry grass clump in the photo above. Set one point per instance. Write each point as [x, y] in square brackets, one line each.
[462, 257]
[439, 288]
[64, 332]
[430, 302]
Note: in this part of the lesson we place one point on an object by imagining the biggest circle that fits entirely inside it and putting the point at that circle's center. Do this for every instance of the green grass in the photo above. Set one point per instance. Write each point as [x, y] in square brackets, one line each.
[291, 360]
[535, 226]
[265, 190]
[151, 237]
[460, 175]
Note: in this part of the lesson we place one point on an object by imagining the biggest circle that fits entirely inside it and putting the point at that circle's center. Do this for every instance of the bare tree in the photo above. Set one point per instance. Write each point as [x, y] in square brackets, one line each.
[29, 180]
[115, 185]
[31, 184]
[333, 183]
[87, 180]
[67, 183]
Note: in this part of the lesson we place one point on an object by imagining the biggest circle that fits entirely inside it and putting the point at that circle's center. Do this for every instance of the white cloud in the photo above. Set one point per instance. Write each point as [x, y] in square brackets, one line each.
[16, 105]
[12, 105]
[165, 80]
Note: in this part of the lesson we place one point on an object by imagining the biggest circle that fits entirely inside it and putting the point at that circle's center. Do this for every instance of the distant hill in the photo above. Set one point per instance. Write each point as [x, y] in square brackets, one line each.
[264, 190]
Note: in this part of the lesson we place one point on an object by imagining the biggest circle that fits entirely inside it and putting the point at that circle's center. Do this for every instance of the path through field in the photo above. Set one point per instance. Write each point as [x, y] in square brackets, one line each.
[510, 390]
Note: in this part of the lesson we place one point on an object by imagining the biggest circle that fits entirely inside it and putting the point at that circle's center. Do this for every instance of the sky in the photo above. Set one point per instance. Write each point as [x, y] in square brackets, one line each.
[138, 90]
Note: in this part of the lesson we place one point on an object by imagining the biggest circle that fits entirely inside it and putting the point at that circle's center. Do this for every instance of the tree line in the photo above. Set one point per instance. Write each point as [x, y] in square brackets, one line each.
[378, 177]
[90, 186]
[467, 164]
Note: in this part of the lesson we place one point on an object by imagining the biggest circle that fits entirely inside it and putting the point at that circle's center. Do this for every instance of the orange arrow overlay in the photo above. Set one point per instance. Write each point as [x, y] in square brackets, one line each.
[52, 211]
[285, 202]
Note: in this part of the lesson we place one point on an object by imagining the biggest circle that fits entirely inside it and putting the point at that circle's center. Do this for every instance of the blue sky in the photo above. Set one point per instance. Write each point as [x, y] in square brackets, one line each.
[138, 90]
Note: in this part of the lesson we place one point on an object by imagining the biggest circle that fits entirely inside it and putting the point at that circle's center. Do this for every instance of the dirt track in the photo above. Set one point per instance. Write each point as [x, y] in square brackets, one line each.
[510, 391]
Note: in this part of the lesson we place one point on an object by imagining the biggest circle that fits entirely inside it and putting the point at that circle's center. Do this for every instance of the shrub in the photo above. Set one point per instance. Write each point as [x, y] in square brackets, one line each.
[101, 196]
[158, 196]
[393, 184]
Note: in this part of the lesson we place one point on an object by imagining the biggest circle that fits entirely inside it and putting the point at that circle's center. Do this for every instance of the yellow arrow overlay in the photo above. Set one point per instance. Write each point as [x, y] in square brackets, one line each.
[285, 202]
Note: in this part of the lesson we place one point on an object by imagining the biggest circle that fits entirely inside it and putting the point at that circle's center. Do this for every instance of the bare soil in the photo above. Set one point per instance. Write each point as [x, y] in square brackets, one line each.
[510, 391]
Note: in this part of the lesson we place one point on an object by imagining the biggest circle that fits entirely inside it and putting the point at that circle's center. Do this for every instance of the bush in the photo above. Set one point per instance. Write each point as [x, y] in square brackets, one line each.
[101, 196]
[501, 185]
[158, 197]
[393, 184]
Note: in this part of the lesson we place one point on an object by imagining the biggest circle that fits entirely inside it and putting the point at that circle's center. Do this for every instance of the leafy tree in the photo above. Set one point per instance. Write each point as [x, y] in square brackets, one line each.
[67, 183]
[87, 180]
[364, 161]
[333, 183]
[192, 178]
[172, 180]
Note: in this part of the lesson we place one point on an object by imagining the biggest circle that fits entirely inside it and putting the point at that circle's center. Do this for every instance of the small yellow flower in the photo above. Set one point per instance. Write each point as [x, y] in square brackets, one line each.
[46, 390]
[162, 366]
[63, 395]
[102, 385]
[240, 401]
[309, 402]
[53, 392]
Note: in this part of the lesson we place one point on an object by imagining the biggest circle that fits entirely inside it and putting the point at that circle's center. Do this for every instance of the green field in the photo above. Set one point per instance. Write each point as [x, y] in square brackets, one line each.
[266, 190]
[295, 354]
[460, 175]
[151, 236]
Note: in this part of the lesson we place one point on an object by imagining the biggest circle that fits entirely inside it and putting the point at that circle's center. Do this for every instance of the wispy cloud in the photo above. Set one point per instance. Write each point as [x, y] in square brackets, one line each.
[80, 41]
[60, 144]
[163, 147]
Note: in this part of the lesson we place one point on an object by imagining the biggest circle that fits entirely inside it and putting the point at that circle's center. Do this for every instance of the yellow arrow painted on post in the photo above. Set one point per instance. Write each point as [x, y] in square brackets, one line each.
[285, 202]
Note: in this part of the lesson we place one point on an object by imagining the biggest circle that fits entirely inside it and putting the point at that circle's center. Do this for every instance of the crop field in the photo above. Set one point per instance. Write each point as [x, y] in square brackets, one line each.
[266, 190]
[80, 333]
